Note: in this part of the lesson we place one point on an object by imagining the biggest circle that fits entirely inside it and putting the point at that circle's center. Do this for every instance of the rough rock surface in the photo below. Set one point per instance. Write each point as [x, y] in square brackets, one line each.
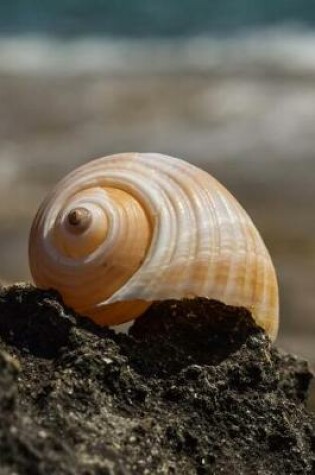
[196, 389]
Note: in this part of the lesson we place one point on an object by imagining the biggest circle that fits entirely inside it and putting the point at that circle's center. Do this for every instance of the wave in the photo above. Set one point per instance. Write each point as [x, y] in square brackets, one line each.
[284, 50]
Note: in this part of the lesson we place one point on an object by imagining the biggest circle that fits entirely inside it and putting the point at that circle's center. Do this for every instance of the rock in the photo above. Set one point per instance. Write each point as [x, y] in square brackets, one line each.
[196, 388]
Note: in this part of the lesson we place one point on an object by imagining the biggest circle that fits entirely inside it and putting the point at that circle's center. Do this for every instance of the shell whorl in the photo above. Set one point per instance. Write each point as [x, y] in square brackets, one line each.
[155, 228]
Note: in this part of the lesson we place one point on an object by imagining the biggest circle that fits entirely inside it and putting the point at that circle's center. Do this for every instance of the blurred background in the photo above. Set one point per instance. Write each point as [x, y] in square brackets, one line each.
[227, 85]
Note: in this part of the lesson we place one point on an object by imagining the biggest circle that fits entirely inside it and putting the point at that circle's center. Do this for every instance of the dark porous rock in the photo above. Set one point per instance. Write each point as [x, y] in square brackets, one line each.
[196, 388]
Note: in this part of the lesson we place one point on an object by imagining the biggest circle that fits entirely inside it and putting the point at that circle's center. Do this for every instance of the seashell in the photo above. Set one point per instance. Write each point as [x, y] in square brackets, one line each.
[123, 231]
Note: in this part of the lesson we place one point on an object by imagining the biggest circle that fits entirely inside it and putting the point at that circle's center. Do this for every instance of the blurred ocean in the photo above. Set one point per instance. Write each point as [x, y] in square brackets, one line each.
[149, 18]
[278, 50]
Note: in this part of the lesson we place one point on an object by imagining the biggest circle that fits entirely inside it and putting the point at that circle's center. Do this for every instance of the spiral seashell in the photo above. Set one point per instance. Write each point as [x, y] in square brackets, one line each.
[123, 231]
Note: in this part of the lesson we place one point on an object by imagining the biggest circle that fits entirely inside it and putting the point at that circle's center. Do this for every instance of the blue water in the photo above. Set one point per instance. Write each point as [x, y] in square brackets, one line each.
[149, 18]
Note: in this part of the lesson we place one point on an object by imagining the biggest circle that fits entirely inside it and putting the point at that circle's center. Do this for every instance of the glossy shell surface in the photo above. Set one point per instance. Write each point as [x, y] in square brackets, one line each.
[149, 227]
